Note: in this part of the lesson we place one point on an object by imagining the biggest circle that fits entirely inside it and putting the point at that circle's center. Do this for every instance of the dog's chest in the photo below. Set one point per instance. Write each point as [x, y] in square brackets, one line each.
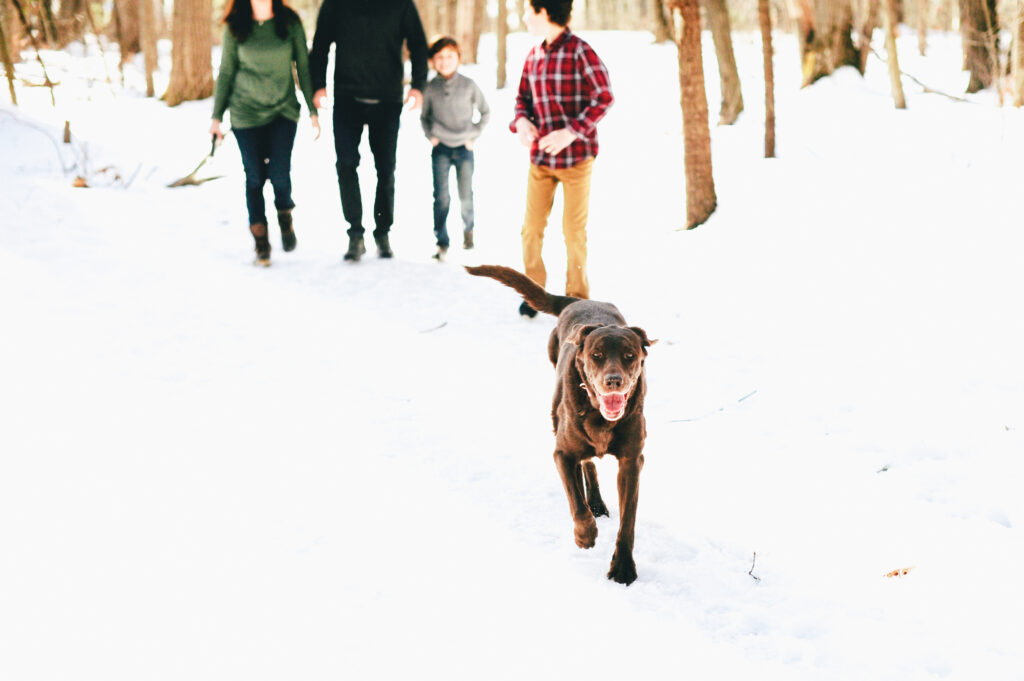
[599, 432]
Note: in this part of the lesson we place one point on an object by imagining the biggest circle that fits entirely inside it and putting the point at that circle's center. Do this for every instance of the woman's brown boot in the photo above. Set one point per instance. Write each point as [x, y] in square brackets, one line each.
[259, 233]
[284, 220]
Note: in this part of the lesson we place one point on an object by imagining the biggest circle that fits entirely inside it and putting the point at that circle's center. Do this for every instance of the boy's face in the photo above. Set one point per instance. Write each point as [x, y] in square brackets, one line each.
[446, 61]
[537, 23]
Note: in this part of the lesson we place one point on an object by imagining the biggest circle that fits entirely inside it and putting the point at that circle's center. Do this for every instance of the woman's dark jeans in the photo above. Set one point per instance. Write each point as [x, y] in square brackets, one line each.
[267, 155]
[443, 158]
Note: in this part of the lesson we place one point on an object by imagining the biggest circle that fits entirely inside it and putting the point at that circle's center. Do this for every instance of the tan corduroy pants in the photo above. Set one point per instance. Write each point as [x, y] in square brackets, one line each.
[540, 196]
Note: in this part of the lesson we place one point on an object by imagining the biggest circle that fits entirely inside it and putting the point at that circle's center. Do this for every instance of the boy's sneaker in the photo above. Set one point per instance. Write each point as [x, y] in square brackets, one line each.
[442, 251]
[383, 247]
[355, 248]
[467, 239]
[284, 221]
[526, 310]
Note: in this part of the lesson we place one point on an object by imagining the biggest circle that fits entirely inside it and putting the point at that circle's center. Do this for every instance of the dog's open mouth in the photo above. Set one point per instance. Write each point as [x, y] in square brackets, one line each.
[613, 405]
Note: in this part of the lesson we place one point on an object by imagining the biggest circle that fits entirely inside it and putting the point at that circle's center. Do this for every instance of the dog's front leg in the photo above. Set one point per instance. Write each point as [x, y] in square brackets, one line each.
[585, 530]
[623, 569]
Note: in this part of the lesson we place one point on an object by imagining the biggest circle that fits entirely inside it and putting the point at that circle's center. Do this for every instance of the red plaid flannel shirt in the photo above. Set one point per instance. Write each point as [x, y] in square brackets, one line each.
[564, 85]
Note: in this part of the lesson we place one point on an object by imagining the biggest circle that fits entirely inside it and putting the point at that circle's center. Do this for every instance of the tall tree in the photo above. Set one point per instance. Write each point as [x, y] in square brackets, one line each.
[662, 29]
[700, 185]
[825, 29]
[728, 74]
[469, 26]
[71, 21]
[890, 49]
[147, 41]
[1018, 54]
[979, 31]
[867, 30]
[5, 52]
[502, 75]
[922, 26]
[126, 27]
[191, 43]
[764, 18]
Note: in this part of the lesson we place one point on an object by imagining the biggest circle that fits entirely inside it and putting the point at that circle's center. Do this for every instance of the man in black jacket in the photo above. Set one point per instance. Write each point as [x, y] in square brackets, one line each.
[368, 74]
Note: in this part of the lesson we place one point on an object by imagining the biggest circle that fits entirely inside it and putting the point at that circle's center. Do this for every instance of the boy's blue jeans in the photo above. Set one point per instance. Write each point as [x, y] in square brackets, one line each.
[443, 158]
[266, 153]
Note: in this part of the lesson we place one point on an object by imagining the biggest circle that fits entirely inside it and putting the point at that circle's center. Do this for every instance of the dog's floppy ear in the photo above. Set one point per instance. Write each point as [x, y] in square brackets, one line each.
[579, 333]
[645, 342]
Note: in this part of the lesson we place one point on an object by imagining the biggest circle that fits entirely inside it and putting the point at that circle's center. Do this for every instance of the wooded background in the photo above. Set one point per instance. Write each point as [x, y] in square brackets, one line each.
[831, 34]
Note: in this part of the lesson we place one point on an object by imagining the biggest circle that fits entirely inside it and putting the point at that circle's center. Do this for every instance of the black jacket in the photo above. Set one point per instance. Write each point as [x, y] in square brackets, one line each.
[368, 35]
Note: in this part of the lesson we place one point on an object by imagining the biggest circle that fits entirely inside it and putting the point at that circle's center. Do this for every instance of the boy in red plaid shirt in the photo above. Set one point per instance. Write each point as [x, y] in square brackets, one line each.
[563, 93]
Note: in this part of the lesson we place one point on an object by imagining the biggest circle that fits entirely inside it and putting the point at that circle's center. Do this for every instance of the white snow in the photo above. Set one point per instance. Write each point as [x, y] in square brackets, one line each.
[323, 470]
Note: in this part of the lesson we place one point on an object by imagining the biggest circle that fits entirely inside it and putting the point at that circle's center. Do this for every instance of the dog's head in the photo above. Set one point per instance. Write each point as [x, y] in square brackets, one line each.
[610, 360]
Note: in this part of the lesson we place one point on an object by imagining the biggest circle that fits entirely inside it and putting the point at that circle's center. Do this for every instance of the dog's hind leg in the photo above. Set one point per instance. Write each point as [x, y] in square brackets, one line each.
[585, 527]
[594, 500]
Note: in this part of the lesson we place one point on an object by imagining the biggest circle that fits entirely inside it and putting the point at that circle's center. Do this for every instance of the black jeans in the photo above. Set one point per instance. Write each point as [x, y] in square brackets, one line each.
[382, 119]
[442, 159]
[267, 155]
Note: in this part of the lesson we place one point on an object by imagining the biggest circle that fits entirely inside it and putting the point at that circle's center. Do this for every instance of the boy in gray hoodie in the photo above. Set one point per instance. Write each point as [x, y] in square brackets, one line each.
[450, 101]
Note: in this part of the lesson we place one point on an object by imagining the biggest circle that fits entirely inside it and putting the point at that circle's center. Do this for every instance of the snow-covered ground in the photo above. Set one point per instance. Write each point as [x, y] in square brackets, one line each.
[332, 471]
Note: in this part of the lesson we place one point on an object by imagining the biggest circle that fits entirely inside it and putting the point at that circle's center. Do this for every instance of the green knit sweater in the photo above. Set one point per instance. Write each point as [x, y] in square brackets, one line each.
[255, 80]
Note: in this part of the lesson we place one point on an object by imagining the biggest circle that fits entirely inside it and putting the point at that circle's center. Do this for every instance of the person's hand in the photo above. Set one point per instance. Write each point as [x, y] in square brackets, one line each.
[318, 98]
[215, 129]
[315, 120]
[554, 142]
[526, 131]
[416, 97]
[469, 145]
[434, 141]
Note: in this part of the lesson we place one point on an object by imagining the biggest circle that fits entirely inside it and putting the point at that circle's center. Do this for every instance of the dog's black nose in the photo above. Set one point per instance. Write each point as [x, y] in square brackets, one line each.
[613, 381]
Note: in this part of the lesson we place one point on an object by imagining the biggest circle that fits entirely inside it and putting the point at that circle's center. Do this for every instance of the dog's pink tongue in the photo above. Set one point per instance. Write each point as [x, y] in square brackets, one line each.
[613, 402]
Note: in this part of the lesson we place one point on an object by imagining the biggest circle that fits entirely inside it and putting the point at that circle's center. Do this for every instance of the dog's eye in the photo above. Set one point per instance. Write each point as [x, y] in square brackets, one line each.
[596, 355]
[629, 355]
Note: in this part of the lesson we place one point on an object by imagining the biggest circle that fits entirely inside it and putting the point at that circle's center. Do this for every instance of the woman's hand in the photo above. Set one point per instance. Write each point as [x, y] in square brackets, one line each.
[315, 120]
[215, 129]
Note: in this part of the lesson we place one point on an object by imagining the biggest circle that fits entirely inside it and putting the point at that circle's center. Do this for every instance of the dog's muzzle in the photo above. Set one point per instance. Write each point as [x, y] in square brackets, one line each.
[612, 405]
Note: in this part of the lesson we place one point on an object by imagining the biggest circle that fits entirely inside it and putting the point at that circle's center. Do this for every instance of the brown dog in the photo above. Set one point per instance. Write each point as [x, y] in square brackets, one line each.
[597, 409]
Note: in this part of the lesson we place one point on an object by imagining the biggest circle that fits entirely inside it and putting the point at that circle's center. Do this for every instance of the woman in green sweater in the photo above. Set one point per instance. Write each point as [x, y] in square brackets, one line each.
[262, 40]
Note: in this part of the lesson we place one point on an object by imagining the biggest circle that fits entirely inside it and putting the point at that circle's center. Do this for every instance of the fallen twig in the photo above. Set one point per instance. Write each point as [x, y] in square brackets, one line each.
[924, 87]
[435, 328]
[751, 570]
[714, 411]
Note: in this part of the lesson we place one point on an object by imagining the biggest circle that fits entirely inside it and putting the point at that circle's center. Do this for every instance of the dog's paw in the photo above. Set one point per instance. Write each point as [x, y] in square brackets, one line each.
[585, 533]
[598, 508]
[623, 570]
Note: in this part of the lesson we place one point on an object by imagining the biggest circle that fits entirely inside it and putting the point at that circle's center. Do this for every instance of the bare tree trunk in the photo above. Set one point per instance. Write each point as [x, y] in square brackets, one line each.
[662, 29]
[700, 185]
[867, 30]
[922, 26]
[890, 49]
[729, 77]
[470, 25]
[764, 18]
[502, 76]
[147, 38]
[70, 21]
[126, 26]
[5, 52]
[980, 40]
[191, 65]
[826, 43]
[428, 17]
[1017, 54]
[450, 19]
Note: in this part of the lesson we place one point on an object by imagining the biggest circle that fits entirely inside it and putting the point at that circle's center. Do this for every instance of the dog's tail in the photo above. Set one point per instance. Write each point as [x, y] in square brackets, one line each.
[537, 297]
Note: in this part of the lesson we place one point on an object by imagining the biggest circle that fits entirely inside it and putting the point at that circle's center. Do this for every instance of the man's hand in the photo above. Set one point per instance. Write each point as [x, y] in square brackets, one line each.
[434, 141]
[315, 120]
[215, 129]
[318, 98]
[416, 97]
[526, 131]
[554, 142]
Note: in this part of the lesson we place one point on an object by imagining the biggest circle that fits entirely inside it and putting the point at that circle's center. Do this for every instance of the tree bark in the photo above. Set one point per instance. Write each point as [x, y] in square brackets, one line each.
[661, 28]
[764, 18]
[922, 26]
[826, 43]
[70, 21]
[1018, 55]
[502, 34]
[191, 65]
[700, 185]
[147, 40]
[890, 49]
[5, 52]
[126, 28]
[978, 30]
[729, 76]
[867, 30]
[470, 25]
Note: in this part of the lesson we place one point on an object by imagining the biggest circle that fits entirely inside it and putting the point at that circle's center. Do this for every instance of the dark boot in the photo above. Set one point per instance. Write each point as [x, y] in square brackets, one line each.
[384, 246]
[467, 239]
[259, 233]
[442, 253]
[526, 310]
[355, 248]
[284, 220]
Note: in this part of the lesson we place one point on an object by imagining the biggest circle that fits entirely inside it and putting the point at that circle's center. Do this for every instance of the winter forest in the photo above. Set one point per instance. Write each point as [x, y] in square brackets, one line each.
[327, 469]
